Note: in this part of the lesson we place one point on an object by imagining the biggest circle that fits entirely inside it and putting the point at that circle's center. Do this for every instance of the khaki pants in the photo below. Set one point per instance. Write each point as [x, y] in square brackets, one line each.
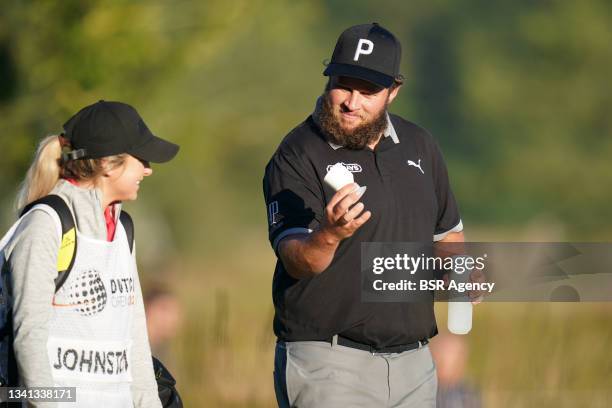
[315, 374]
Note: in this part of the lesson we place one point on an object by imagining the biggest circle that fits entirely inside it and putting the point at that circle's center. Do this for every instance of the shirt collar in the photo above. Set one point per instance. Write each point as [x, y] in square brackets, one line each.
[388, 132]
[111, 213]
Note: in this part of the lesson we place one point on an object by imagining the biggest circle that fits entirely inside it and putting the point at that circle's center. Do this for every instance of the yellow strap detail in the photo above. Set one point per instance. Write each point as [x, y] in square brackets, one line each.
[66, 251]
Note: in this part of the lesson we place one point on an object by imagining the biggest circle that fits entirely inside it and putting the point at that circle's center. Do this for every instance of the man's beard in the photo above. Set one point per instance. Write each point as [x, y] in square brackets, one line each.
[357, 138]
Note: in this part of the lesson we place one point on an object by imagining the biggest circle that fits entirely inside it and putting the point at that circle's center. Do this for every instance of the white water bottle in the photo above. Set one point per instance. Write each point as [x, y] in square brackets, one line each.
[460, 317]
[460, 306]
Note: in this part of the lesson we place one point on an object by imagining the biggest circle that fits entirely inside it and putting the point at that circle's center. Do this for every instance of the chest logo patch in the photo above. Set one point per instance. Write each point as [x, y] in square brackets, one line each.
[86, 294]
[418, 166]
[352, 167]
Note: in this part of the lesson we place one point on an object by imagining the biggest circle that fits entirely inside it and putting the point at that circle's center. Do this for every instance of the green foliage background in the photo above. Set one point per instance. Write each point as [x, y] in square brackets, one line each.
[517, 93]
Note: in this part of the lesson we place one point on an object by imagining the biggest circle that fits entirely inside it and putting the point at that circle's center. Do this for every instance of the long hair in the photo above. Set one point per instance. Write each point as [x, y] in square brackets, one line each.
[48, 167]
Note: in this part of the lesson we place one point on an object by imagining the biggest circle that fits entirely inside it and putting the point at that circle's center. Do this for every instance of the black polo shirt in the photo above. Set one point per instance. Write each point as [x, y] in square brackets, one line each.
[409, 195]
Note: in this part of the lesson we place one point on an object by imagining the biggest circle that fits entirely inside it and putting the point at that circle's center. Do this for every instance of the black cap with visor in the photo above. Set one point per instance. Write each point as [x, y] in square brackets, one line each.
[110, 128]
[369, 52]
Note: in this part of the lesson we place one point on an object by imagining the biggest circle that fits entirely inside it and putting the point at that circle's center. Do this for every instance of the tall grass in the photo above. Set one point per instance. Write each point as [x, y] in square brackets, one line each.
[521, 354]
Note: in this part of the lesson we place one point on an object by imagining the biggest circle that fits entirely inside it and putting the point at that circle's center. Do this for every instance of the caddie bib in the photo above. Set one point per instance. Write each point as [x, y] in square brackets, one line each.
[89, 345]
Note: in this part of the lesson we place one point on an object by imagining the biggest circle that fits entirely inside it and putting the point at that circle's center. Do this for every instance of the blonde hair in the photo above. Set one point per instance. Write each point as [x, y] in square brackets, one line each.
[48, 167]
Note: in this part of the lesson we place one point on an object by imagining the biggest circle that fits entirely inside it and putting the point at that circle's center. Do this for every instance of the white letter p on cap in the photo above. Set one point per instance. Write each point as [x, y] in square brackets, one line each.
[363, 51]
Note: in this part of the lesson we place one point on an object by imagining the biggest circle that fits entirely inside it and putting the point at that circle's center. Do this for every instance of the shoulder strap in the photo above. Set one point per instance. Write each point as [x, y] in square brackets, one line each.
[128, 226]
[68, 244]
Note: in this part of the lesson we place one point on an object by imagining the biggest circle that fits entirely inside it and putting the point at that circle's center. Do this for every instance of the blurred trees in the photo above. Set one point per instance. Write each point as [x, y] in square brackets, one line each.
[516, 93]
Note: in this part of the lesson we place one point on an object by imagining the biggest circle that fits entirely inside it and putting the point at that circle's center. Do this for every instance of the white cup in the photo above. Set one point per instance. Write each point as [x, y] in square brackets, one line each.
[338, 176]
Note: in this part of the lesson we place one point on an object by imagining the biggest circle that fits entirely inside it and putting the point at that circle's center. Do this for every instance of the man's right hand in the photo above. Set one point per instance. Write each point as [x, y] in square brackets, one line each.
[305, 256]
[341, 221]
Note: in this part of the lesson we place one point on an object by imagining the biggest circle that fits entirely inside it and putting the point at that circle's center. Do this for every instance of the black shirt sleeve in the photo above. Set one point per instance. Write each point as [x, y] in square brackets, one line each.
[448, 211]
[293, 194]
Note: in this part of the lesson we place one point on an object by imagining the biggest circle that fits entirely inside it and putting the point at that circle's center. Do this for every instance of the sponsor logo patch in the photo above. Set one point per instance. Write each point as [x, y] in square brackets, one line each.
[352, 167]
[417, 165]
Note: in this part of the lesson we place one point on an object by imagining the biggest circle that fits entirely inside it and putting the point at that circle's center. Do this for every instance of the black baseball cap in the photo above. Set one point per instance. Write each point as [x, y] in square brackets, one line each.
[110, 128]
[369, 52]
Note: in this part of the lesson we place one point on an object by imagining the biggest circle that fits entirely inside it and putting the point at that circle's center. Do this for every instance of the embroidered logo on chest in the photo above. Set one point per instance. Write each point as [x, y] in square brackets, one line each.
[86, 294]
[352, 167]
[417, 165]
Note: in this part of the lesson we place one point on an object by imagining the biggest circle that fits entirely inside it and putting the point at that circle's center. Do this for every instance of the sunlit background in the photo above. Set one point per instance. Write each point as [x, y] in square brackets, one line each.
[518, 94]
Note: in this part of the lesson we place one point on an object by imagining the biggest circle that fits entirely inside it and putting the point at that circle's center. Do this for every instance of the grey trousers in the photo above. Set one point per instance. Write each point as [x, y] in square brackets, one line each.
[315, 374]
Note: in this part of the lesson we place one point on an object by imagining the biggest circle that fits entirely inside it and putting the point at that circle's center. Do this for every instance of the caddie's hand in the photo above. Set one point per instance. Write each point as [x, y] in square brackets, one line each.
[342, 216]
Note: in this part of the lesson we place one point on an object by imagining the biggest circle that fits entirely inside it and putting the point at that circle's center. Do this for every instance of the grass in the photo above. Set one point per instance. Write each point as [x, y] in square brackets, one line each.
[521, 354]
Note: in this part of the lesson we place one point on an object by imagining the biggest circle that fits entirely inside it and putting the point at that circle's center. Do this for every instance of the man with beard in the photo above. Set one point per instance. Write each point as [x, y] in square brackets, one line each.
[334, 350]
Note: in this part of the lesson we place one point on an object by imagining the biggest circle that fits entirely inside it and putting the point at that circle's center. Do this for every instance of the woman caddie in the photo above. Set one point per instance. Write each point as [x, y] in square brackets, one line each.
[86, 333]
